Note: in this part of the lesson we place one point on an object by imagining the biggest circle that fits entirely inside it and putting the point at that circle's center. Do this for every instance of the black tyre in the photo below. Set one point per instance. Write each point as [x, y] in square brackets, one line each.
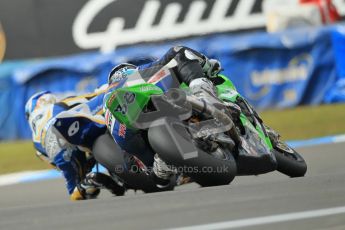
[109, 154]
[289, 161]
[205, 169]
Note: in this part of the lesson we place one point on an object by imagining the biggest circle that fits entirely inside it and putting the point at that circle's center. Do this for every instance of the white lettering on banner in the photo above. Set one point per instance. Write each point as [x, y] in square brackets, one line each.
[168, 28]
[297, 70]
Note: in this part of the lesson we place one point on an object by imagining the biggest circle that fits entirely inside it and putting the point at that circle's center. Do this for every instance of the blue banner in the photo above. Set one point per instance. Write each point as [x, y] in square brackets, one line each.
[289, 69]
[271, 70]
[337, 93]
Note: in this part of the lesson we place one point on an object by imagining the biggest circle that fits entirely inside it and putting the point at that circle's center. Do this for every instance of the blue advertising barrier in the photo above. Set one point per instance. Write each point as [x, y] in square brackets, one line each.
[271, 70]
[51, 77]
[337, 92]
[282, 70]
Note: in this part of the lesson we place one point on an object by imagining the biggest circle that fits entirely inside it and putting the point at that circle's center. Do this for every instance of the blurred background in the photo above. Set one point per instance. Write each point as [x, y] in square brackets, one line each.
[286, 57]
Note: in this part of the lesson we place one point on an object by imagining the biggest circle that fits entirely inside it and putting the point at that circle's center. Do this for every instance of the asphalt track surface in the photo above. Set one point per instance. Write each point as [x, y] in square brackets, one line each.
[45, 205]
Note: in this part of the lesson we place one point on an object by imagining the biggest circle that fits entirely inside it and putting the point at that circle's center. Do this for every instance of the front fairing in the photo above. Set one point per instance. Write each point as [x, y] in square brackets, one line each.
[228, 93]
[126, 104]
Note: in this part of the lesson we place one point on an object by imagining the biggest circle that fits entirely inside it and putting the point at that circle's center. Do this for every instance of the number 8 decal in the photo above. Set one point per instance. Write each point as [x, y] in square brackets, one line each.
[73, 129]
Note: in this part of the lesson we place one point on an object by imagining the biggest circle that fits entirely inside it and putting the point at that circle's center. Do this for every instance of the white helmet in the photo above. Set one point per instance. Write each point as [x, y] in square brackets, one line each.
[120, 72]
[39, 100]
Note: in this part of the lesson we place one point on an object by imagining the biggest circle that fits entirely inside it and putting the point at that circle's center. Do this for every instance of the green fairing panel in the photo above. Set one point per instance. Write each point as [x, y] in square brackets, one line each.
[126, 104]
[257, 129]
[228, 83]
[184, 86]
[227, 91]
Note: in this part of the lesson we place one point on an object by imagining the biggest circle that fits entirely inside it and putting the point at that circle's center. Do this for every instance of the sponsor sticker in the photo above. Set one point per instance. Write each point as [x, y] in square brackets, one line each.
[122, 131]
[158, 76]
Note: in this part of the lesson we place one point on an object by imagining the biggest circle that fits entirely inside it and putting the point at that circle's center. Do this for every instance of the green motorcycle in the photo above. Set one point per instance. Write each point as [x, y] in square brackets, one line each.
[210, 143]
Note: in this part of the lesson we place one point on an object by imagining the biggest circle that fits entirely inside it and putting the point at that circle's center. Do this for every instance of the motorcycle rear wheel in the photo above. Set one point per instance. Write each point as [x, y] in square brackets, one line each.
[111, 156]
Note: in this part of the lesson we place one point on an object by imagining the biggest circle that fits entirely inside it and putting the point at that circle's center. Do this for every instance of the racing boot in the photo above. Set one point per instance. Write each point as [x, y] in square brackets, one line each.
[161, 172]
[204, 89]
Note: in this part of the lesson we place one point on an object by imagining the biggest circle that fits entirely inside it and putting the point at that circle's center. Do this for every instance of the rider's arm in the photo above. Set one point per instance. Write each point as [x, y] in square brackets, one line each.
[172, 53]
[58, 157]
[74, 167]
[66, 163]
[95, 103]
[66, 157]
[190, 64]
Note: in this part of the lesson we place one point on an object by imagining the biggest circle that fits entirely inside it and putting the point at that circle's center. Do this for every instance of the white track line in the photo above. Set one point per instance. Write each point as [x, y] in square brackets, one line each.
[15, 178]
[12, 178]
[340, 138]
[266, 219]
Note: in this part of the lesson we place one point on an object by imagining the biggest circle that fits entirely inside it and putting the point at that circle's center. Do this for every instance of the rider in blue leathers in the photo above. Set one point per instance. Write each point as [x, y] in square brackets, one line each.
[73, 155]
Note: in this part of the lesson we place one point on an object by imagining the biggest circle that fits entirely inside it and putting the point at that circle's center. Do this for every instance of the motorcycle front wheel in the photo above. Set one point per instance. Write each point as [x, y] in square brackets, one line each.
[290, 162]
